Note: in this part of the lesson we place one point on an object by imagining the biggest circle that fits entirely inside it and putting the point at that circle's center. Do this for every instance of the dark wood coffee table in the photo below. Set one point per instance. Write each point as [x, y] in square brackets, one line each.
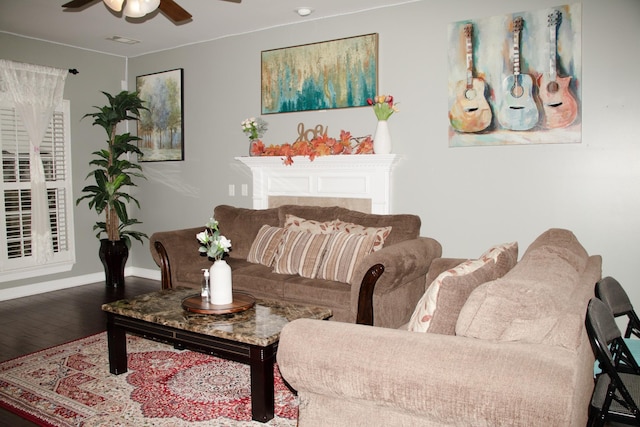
[250, 336]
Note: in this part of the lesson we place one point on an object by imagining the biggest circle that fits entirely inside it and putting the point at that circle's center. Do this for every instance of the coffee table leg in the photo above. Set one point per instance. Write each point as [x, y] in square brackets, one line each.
[117, 341]
[262, 395]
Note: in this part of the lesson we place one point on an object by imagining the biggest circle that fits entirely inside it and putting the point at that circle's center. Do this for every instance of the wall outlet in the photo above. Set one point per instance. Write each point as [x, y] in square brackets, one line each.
[245, 190]
[232, 189]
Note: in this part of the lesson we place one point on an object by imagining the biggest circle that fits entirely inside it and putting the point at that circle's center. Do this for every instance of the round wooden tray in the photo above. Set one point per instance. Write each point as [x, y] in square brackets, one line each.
[241, 302]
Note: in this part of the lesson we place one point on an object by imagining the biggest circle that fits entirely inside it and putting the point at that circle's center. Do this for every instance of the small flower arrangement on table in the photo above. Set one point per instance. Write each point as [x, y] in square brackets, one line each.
[383, 106]
[212, 242]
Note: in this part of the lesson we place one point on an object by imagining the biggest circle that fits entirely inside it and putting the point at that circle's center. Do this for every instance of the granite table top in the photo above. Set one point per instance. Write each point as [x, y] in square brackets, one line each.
[259, 325]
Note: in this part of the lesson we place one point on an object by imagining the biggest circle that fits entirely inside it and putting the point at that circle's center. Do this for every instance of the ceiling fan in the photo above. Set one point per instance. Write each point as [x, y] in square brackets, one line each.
[139, 8]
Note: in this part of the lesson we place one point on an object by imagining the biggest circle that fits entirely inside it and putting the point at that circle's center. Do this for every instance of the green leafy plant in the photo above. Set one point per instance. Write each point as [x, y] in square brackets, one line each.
[212, 242]
[114, 171]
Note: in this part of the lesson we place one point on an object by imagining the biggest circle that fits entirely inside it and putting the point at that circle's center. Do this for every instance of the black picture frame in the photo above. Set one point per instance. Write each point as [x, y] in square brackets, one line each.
[161, 127]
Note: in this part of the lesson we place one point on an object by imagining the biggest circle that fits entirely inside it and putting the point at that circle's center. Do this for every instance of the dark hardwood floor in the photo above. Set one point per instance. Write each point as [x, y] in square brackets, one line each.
[41, 321]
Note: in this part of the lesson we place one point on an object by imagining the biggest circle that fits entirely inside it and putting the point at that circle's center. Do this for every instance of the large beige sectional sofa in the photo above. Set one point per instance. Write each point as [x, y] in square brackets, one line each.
[517, 354]
[375, 292]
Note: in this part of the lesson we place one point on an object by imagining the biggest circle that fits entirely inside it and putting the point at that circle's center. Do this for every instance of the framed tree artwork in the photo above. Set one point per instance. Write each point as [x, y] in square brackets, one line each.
[161, 126]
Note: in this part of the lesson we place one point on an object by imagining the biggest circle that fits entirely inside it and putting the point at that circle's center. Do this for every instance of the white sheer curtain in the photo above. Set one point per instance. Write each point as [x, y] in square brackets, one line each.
[35, 90]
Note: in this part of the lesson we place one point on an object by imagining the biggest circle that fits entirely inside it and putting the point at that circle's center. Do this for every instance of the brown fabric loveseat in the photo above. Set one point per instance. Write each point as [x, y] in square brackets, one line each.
[519, 354]
[378, 288]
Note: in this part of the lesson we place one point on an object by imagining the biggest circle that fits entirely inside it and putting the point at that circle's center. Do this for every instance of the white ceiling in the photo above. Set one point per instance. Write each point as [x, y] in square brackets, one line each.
[90, 26]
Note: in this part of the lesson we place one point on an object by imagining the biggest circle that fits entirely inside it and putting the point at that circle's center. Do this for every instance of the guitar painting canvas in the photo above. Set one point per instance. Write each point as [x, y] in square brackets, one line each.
[515, 78]
[518, 109]
[471, 111]
[559, 106]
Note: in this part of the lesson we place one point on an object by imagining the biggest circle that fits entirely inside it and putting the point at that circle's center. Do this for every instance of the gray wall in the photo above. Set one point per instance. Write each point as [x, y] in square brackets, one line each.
[468, 198]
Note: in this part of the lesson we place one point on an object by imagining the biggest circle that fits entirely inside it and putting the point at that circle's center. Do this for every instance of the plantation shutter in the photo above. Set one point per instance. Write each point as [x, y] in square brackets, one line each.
[16, 257]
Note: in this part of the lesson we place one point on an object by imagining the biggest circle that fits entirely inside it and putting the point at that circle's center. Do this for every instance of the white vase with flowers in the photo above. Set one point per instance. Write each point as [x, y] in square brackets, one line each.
[383, 107]
[255, 128]
[215, 245]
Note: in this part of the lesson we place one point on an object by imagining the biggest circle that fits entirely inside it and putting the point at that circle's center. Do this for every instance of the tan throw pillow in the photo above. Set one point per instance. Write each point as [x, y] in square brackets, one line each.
[380, 233]
[300, 252]
[295, 223]
[438, 309]
[264, 246]
[344, 253]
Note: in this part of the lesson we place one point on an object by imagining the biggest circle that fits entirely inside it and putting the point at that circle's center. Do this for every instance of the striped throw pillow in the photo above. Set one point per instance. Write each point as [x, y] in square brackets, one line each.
[300, 252]
[344, 253]
[264, 246]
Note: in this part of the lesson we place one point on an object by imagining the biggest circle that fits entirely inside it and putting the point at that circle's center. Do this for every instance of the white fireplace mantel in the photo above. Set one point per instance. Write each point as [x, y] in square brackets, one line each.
[361, 176]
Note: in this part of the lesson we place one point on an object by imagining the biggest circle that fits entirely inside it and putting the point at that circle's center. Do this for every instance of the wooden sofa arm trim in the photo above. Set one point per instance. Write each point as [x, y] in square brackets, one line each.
[165, 267]
[365, 298]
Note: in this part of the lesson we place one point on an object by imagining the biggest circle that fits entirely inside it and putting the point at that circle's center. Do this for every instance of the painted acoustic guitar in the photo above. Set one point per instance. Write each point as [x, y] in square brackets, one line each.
[471, 111]
[558, 104]
[518, 109]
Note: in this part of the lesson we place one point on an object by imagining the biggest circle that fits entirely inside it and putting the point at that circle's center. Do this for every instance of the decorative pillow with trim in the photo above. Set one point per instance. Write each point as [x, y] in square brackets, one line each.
[344, 252]
[265, 245]
[438, 309]
[295, 223]
[380, 233]
[300, 252]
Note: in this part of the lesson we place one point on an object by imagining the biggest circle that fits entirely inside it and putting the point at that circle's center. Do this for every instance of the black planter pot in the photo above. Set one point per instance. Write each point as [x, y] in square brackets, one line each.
[114, 257]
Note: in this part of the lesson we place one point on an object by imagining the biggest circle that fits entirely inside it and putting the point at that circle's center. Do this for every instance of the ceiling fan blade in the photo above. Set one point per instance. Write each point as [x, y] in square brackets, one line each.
[234, 1]
[77, 3]
[176, 13]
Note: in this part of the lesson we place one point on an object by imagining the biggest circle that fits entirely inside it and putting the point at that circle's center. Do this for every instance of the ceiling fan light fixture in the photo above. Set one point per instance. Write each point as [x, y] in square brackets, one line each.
[139, 8]
[304, 11]
[115, 5]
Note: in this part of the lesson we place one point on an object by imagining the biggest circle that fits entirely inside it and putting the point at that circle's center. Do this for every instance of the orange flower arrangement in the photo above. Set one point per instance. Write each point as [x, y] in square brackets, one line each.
[319, 146]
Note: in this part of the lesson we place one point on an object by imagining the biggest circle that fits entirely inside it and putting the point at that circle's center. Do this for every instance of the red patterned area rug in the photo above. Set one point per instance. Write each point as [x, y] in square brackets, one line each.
[70, 385]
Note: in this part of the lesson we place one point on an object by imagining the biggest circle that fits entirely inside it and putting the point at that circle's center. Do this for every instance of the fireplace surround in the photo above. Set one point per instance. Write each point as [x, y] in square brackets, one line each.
[361, 182]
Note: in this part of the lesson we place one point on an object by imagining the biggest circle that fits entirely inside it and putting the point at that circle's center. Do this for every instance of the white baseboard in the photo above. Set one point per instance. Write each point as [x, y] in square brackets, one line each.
[71, 282]
[144, 273]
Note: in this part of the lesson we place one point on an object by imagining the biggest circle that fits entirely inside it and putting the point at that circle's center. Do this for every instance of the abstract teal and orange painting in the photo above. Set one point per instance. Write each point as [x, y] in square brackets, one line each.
[338, 73]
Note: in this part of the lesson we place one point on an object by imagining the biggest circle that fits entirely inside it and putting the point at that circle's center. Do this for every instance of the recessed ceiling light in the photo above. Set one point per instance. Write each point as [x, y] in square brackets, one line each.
[304, 11]
[122, 40]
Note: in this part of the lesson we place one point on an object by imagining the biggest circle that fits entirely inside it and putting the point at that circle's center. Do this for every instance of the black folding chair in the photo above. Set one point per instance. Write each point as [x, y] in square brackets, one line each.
[611, 292]
[615, 393]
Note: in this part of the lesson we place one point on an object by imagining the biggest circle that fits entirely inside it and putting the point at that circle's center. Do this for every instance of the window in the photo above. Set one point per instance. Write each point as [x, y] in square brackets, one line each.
[16, 261]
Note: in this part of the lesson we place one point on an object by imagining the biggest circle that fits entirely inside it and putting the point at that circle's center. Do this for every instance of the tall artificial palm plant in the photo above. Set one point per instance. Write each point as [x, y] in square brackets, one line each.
[114, 171]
